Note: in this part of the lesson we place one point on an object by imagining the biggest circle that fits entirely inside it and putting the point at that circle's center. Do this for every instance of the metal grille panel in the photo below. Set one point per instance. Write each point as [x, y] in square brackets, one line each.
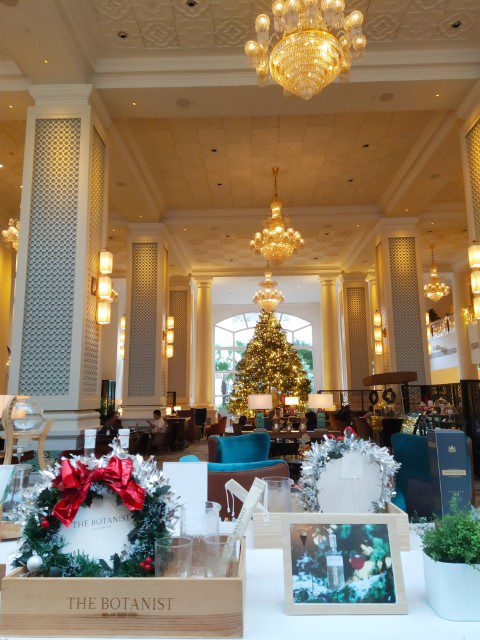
[382, 300]
[177, 366]
[50, 282]
[406, 306]
[143, 320]
[90, 383]
[357, 336]
[473, 148]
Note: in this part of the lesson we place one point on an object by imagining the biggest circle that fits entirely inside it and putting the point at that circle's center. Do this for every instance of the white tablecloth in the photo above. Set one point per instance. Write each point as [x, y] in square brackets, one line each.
[265, 619]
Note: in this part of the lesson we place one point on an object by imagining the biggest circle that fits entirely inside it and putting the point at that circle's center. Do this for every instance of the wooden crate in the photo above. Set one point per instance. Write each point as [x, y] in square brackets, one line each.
[125, 607]
[269, 535]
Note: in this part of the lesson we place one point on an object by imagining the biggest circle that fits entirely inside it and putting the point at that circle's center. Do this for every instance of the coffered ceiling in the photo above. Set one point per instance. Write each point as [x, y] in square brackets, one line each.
[192, 24]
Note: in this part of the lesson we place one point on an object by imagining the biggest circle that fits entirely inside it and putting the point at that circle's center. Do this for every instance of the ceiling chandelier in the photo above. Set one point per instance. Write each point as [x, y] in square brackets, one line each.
[268, 296]
[10, 235]
[435, 290]
[277, 242]
[314, 43]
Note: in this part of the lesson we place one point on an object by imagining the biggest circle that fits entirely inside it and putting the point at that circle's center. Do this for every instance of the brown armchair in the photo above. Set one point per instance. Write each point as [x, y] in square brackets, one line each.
[336, 424]
[363, 429]
[217, 429]
[193, 431]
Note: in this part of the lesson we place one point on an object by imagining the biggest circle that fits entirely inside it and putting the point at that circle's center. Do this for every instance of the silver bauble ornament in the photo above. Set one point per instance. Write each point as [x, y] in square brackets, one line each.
[34, 563]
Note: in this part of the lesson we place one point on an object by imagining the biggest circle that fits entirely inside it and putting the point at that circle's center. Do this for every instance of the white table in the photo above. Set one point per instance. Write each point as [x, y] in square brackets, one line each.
[265, 619]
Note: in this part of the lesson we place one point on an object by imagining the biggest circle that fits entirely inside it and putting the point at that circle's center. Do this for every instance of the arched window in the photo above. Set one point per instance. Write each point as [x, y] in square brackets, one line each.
[232, 336]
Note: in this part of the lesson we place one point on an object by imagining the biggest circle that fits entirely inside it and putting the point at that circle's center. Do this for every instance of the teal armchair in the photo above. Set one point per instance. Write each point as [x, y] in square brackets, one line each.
[251, 447]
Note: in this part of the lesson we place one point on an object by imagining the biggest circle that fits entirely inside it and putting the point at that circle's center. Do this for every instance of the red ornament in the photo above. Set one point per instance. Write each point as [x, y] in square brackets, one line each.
[142, 565]
[45, 523]
[148, 560]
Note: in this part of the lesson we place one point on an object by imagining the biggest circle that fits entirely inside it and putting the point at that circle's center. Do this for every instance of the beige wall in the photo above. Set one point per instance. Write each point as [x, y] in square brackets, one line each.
[444, 376]
[7, 258]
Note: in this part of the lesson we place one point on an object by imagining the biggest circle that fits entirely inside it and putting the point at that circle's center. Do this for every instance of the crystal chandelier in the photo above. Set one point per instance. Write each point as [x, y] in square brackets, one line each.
[314, 43]
[277, 242]
[268, 296]
[435, 290]
[10, 235]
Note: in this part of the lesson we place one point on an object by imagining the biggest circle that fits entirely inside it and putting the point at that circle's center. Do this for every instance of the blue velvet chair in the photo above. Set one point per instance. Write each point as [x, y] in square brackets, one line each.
[412, 453]
[243, 472]
[251, 447]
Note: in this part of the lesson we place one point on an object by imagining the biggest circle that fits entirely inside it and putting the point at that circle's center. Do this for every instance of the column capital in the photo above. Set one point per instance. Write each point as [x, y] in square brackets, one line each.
[329, 277]
[204, 282]
[54, 94]
[396, 227]
[146, 231]
[371, 278]
[355, 278]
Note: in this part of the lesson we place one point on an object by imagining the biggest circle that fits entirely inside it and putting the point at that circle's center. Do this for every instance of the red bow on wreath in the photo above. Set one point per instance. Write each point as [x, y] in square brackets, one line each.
[347, 432]
[74, 483]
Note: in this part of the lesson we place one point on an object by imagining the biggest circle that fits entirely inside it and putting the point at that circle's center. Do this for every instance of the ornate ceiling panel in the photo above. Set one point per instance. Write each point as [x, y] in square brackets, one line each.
[325, 159]
[187, 24]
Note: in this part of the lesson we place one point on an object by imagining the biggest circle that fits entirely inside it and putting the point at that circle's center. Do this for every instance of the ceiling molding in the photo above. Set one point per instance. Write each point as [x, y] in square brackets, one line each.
[180, 251]
[170, 69]
[434, 134]
[259, 271]
[365, 243]
[469, 110]
[11, 78]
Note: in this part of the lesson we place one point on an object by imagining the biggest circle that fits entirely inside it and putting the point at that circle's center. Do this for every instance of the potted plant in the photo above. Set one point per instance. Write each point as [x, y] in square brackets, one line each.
[451, 560]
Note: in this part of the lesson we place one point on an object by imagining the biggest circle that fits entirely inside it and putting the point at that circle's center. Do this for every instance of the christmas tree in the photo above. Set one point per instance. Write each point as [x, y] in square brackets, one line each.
[269, 364]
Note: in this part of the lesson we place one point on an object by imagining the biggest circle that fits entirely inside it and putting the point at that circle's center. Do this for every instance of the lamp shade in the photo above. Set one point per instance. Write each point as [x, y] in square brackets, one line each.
[475, 281]
[170, 336]
[169, 351]
[377, 334]
[321, 401]
[121, 351]
[170, 322]
[291, 401]
[474, 256]
[105, 288]
[476, 307]
[377, 319]
[427, 318]
[123, 322]
[260, 401]
[105, 263]
[378, 348]
[103, 312]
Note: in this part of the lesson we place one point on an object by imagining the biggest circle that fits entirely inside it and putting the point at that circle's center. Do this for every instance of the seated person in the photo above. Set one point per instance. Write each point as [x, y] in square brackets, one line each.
[242, 421]
[155, 436]
[112, 425]
[158, 424]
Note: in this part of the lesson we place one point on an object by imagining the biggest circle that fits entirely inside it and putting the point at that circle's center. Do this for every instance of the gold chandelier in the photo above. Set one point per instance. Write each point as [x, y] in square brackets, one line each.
[11, 234]
[268, 296]
[314, 44]
[277, 242]
[435, 290]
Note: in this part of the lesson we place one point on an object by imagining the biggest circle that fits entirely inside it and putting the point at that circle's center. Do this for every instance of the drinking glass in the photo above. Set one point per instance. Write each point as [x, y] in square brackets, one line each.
[216, 566]
[18, 484]
[278, 494]
[198, 520]
[173, 557]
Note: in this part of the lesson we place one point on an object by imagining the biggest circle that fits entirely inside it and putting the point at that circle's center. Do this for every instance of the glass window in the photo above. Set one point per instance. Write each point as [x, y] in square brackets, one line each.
[232, 336]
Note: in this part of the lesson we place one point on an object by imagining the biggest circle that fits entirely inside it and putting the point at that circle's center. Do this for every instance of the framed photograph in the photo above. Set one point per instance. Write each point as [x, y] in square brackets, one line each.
[171, 398]
[342, 564]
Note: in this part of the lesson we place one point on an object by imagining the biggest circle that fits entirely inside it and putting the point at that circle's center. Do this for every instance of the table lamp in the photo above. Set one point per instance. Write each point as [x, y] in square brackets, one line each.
[292, 402]
[321, 402]
[259, 402]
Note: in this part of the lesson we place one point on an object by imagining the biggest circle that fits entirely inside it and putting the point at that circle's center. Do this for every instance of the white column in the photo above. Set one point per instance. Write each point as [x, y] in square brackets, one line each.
[461, 299]
[145, 367]
[402, 302]
[56, 340]
[332, 378]
[374, 306]
[204, 344]
[179, 366]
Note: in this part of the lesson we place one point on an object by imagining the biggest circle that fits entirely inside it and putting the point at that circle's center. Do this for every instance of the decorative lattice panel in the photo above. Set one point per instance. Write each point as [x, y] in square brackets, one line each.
[50, 285]
[96, 210]
[407, 317]
[177, 366]
[382, 301]
[165, 312]
[357, 336]
[473, 147]
[143, 320]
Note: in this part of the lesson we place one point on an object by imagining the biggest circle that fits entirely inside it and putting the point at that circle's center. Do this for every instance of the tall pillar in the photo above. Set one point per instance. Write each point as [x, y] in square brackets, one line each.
[332, 378]
[145, 367]
[181, 306]
[56, 339]
[400, 292]
[374, 306]
[461, 299]
[204, 344]
[357, 343]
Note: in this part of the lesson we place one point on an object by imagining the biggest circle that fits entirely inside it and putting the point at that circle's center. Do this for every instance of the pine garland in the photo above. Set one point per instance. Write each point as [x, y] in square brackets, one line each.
[154, 521]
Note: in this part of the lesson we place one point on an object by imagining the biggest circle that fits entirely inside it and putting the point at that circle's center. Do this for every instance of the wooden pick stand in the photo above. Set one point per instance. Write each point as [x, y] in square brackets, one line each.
[123, 607]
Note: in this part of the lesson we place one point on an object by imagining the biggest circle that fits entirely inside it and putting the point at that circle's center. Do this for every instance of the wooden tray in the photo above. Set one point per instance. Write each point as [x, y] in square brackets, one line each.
[125, 607]
[269, 535]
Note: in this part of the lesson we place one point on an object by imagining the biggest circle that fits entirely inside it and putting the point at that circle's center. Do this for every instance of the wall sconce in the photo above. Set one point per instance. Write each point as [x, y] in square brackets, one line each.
[102, 288]
[103, 312]
[475, 281]
[169, 351]
[170, 322]
[121, 348]
[170, 336]
[378, 348]
[377, 319]
[427, 318]
[429, 348]
[11, 233]
[474, 255]
[377, 334]
[168, 411]
[476, 307]
[429, 332]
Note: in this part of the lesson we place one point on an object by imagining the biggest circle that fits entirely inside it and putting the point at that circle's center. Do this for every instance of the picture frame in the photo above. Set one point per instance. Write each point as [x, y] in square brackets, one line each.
[342, 564]
[171, 398]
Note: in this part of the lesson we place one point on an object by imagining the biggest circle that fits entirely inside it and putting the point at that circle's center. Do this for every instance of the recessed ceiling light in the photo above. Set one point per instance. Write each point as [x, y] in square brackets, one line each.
[185, 229]
[456, 24]
[406, 210]
[134, 104]
[366, 145]
[113, 229]
[299, 286]
[191, 3]
[432, 223]
[45, 61]
[386, 97]
[140, 217]
[123, 35]
[1, 166]
[219, 184]
[10, 106]
[21, 186]
[213, 150]
[350, 179]
[437, 95]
